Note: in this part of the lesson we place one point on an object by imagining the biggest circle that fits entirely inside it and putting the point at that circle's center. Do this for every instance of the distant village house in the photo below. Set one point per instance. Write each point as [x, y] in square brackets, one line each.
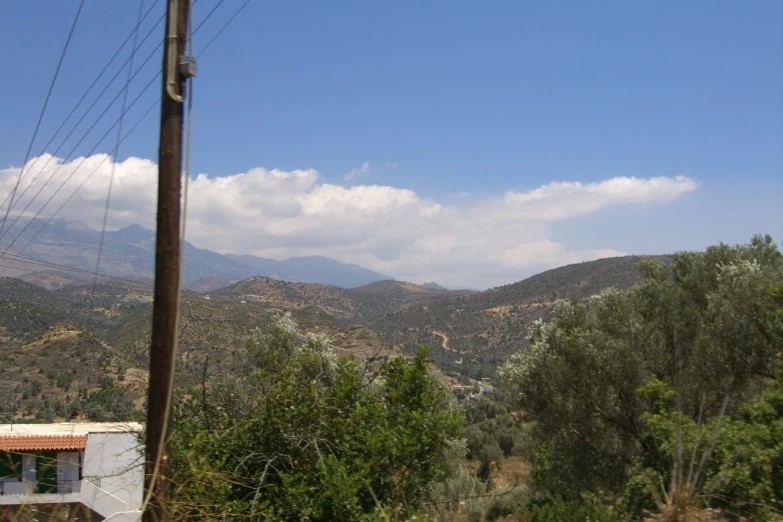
[95, 469]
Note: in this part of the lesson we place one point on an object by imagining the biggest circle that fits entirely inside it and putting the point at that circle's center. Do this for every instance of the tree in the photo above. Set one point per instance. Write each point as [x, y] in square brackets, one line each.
[703, 326]
[306, 435]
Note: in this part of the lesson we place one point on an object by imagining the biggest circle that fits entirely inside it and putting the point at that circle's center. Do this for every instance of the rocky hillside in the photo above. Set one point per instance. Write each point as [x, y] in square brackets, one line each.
[495, 321]
[53, 343]
[354, 305]
[83, 351]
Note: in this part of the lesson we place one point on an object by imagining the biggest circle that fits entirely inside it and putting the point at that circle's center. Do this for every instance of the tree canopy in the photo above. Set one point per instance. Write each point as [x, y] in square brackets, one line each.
[694, 341]
[306, 435]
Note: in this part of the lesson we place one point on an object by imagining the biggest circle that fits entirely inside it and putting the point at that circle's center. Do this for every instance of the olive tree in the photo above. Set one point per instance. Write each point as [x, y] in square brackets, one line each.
[702, 325]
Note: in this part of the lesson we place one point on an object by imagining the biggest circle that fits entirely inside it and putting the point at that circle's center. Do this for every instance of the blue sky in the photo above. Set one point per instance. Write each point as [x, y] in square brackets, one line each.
[458, 103]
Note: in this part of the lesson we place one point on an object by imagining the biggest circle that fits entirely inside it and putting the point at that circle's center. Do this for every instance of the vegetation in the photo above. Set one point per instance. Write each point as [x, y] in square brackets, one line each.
[652, 394]
[352, 306]
[492, 324]
[303, 434]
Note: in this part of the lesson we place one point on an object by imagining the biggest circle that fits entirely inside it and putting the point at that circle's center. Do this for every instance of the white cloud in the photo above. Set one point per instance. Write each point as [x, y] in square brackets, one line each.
[364, 169]
[275, 213]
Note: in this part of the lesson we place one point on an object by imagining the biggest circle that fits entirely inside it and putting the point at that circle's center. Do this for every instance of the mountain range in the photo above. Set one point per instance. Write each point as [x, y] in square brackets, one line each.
[130, 253]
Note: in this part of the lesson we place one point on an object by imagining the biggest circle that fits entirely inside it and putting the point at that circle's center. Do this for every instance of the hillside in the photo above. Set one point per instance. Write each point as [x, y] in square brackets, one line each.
[493, 323]
[434, 286]
[67, 372]
[83, 351]
[354, 305]
[81, 331]
[385, 296]
[208, 283]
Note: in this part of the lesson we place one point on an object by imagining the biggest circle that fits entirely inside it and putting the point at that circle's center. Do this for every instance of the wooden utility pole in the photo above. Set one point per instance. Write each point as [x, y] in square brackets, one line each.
[167, 264]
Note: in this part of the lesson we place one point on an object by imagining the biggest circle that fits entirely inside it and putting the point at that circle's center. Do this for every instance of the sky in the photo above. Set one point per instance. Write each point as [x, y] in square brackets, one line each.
[467, 143]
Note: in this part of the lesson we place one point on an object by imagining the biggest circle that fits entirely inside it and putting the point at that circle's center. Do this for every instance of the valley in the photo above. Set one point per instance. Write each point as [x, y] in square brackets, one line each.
[294, 364]
[107, 327]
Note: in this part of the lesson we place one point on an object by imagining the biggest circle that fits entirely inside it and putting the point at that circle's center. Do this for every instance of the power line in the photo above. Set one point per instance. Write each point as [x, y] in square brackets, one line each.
[95, 123]
[100, 95]
[57, 191]
[12, 258]
[75, 147]
[222, 28]
[135, 125]
[43, 111]
[117, 144]
[90, 108]
[84, 97]
[214, 38]
[71, 175]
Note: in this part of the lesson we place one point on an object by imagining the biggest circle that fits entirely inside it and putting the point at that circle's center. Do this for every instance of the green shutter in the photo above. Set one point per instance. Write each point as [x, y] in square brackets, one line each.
[10, 465]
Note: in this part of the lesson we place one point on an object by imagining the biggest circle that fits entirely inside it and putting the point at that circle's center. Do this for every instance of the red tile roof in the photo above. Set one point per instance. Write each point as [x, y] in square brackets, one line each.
[42, 442]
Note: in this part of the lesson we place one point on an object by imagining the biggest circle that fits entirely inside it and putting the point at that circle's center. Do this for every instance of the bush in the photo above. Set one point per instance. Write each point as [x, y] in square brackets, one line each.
[305, 435]
[588, 506]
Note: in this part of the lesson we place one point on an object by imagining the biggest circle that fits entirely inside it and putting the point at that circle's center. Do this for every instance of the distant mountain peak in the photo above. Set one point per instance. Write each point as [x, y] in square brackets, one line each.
[434, 286]
[132, 231]
[135, 228]
[311, 269]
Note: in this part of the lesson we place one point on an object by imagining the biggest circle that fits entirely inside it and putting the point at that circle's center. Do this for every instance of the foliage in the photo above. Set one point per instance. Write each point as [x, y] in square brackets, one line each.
[586, 507]
[747, 477]
[314, 437]
[632, 381]
[744, 473]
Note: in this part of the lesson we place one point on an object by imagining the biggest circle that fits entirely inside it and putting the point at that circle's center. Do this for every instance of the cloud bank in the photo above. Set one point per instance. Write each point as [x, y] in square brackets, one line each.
[274, 213]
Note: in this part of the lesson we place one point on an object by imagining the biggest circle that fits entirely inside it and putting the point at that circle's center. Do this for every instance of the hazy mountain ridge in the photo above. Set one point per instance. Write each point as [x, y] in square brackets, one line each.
[311, 269]
[434, 286]
[130, 253]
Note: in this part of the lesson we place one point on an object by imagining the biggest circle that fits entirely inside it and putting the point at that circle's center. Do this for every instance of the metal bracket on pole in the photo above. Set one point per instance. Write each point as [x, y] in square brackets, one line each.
[187, 66]
[172, 78]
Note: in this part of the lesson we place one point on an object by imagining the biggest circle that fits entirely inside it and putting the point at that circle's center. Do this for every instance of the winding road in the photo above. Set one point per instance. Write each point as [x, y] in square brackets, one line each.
[445, 341]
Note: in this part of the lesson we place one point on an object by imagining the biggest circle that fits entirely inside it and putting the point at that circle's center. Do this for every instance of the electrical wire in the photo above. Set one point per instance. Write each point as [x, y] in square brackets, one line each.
[225, 26]
[75, 147]
[209, 15]
[100, 95]
[138, 122]
[89, 109]
[117, 144]
[57, 191]
[84, 97]
[43, 111]
[11, 258]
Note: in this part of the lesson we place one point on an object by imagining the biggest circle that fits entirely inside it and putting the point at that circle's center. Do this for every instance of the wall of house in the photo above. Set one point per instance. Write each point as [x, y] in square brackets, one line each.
[118, 458]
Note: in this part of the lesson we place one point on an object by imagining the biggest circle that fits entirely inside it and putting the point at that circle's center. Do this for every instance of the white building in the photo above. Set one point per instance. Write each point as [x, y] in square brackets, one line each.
[94, 471]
